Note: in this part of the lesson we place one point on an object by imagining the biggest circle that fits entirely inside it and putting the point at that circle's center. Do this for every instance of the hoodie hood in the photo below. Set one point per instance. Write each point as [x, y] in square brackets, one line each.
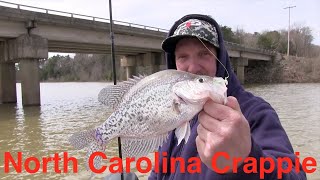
[233, 83]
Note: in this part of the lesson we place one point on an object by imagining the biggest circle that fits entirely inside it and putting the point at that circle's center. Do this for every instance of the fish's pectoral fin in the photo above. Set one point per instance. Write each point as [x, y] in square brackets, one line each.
[183, 132]
[188, 132]
[141, 147]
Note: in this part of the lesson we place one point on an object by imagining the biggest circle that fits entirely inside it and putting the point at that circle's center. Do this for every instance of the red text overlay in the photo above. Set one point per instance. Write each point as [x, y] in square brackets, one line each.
[63, 164]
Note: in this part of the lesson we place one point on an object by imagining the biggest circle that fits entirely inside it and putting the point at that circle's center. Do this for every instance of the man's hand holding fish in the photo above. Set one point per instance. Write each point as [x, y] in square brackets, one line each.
[223, 128]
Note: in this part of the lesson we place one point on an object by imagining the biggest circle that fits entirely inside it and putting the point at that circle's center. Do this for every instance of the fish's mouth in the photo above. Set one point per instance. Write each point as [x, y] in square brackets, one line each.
[185, 100]
[180, 99]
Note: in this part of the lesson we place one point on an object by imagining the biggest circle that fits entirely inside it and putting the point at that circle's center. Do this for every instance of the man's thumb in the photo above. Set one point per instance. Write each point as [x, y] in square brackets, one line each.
[233, 103]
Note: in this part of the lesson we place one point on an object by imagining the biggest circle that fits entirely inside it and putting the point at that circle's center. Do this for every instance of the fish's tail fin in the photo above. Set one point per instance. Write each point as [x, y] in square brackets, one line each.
[94, 147]
[88, 139]
[82, 139]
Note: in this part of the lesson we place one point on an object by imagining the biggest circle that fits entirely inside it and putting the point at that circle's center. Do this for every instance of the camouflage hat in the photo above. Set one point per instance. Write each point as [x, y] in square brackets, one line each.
[192, 28]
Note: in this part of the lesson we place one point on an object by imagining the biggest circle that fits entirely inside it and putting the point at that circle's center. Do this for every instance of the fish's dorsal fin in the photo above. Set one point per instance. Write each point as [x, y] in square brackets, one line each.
[141, 147]
[113, 94]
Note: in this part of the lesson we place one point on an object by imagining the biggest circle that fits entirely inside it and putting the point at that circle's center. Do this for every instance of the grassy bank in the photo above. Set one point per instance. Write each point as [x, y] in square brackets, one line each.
[285, 70]
[297, 69]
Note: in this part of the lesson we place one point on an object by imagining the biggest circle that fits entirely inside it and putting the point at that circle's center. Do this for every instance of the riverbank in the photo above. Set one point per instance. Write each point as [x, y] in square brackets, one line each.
[301, 70]
[286, 70]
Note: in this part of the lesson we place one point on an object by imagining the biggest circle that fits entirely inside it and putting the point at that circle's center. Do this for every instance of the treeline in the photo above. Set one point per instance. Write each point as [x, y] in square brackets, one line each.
[82, 67]
[300, 40]
[94, 67]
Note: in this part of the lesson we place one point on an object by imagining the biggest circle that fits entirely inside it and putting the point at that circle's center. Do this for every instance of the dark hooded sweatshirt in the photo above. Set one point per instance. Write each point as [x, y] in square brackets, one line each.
[267, 134]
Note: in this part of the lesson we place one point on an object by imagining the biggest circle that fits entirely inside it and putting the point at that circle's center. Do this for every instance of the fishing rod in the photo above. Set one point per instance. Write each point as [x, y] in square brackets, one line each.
[114, 76]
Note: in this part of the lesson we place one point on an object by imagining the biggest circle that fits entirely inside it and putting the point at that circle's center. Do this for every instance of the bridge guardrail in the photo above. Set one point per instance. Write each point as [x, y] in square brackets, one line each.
[250, 48]
[75, 15]
[99, 19]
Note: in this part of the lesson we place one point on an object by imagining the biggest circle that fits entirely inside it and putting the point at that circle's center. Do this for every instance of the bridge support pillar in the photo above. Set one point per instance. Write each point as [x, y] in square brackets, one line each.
[160, 62]
[128, 62]
[7, 83]
[7, 76]
[28, 49]
[149, 63]
[240, 74]
[240, 63]
[30, 81]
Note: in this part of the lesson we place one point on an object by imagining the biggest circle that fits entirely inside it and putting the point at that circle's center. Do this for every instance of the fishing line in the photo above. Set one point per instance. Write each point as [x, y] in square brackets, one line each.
[228, 75]
[215, 57]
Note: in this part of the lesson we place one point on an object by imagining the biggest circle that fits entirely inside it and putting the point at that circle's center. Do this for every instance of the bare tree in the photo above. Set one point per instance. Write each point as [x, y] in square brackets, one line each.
[301, 38]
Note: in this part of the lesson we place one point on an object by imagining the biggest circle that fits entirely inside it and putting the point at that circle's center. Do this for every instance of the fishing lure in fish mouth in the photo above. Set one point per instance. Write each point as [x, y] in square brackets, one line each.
[146, 108]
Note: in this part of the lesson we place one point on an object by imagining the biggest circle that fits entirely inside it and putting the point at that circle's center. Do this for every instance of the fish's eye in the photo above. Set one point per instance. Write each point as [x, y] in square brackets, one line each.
[201, 80]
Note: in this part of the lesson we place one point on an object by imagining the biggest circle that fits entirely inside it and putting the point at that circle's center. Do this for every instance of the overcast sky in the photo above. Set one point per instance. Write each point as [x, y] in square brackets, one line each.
[250, 15]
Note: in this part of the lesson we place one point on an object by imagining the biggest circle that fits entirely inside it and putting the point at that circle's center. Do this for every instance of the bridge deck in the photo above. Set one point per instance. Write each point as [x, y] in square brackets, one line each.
[76, 33]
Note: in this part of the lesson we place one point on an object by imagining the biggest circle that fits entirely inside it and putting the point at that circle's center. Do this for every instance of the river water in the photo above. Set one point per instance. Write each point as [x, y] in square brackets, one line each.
[67, 108]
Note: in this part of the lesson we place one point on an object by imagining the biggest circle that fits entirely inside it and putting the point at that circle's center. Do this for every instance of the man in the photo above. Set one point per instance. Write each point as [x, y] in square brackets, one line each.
[246, 126]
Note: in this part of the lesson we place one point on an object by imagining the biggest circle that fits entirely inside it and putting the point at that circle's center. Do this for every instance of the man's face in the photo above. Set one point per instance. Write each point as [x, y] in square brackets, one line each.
[192, 56]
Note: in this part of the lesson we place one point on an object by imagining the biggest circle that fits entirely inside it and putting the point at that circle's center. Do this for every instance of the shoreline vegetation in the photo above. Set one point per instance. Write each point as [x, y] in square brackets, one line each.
[287, 70]
[302, 66]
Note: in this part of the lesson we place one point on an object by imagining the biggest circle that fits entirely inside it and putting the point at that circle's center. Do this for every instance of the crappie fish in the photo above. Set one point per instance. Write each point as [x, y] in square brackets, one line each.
[147, 108]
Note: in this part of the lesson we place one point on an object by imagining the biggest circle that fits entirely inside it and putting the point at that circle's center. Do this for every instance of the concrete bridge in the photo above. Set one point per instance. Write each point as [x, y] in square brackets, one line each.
[28, 33]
